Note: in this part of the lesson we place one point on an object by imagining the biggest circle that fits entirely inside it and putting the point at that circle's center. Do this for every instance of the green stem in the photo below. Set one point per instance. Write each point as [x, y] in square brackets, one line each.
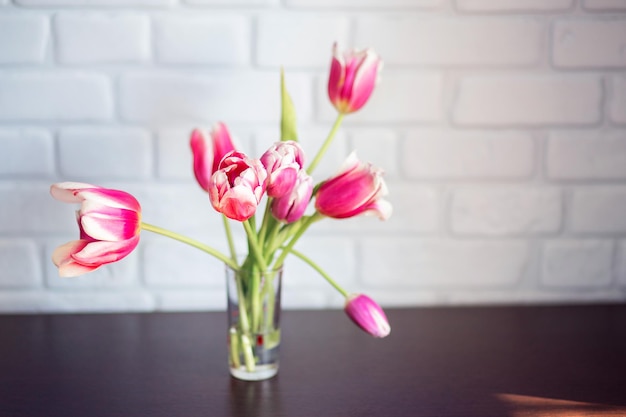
[254, 245]
[190, 242]
[229, 237]
[320, 271]
[326, 144]
[308, 222]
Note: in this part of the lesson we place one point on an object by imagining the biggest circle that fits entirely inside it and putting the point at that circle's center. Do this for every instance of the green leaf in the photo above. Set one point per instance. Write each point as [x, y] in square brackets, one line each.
[288, 130]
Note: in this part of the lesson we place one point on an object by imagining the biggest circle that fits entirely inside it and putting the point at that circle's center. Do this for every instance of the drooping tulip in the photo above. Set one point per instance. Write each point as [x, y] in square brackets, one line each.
[236, 188]
[352, 78]
[292, 206]
[109, 222]
[367, 314]
[283, 161]
[358, 188]
[208, 150]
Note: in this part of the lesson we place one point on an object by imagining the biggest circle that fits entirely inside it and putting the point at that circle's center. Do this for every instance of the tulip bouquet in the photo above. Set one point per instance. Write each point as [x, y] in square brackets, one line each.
[110, 220]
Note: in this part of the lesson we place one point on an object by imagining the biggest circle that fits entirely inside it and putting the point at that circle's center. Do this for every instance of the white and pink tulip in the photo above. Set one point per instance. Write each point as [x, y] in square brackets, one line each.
[238, 185]
[353, 76]
[283, 161]
[357, 189]
[208, 150]
[109, 222]
[291, 207]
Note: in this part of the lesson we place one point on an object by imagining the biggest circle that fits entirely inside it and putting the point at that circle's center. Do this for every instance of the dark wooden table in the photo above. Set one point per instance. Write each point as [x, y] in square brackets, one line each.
[488, 361]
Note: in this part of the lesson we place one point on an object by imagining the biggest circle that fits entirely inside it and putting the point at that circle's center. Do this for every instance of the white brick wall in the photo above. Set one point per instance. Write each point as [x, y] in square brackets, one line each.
[501, 126]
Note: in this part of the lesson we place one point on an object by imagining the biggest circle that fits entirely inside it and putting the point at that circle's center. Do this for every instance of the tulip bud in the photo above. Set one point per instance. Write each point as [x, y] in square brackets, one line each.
[282, 161]
[292, 206]
[368, 315]
[208, 151]
[356, 189]
[236, 188]
[352, 78]
[109, 223]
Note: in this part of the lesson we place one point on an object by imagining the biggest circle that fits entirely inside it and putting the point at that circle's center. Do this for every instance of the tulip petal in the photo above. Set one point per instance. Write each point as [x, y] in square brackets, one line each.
[68, 267]
[106, 223]
[111, 198]
[67, 191]
[367, 314]
[202, 158]
[239, 203]
[98, 253]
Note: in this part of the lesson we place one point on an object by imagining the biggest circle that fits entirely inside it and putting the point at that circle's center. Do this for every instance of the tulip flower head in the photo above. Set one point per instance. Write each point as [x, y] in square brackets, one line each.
[291, 207]
[236, 188]
[109, 222]
[357, 189]
[208, 151]
[283, 161]
[368, 315]
[352, 78]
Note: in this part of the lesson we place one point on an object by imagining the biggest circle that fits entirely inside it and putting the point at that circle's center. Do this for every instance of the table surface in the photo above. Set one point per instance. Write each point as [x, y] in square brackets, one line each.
[472, 361]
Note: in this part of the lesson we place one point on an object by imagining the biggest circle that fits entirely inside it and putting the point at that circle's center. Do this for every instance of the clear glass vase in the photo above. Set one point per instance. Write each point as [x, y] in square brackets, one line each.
[253, 322]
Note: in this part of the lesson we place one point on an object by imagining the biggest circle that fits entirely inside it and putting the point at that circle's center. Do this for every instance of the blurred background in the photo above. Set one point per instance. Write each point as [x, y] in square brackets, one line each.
[500, 124]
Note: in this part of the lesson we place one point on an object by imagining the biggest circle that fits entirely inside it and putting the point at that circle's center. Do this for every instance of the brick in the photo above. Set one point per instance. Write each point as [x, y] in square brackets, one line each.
[577, 263]
[589, 43]
[26, 152]
[231, 2]
[360, 4]
[617, 108]
[55, 97]
[234, 97]
[219, 40]
[505, 211]
[19, 263]
[73, 302]
[196, 300]
[598, 210]
[604, 5]
[441, 154]
[537, 6]
[120, 275]
[442, 263]
[583, 155]
[184, 208]
[299, 275]
[460, 42]
[298, 40]
[527, 100]
[94, 3]
[172, 264]
[621, 264]
[399, 97]
[379, 147]
[545, 295]
[28, 207]
[100, 38]
[23, 39]
[116, 153]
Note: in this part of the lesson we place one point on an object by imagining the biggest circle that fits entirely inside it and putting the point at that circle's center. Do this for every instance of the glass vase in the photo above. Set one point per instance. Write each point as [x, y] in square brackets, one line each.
[253, 322]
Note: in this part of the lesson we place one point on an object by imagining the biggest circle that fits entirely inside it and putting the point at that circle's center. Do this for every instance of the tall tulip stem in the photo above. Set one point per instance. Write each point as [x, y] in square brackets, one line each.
[329, 139]
[321, 272]
[191, 242]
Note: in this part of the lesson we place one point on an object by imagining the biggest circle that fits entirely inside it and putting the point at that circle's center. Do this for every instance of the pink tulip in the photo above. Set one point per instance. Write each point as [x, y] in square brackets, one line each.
[109, 222]
[368, 315]
[283, 161]
[207, 156]
[356, 189]
[352, 78]
[236, 188]
[291, 206]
